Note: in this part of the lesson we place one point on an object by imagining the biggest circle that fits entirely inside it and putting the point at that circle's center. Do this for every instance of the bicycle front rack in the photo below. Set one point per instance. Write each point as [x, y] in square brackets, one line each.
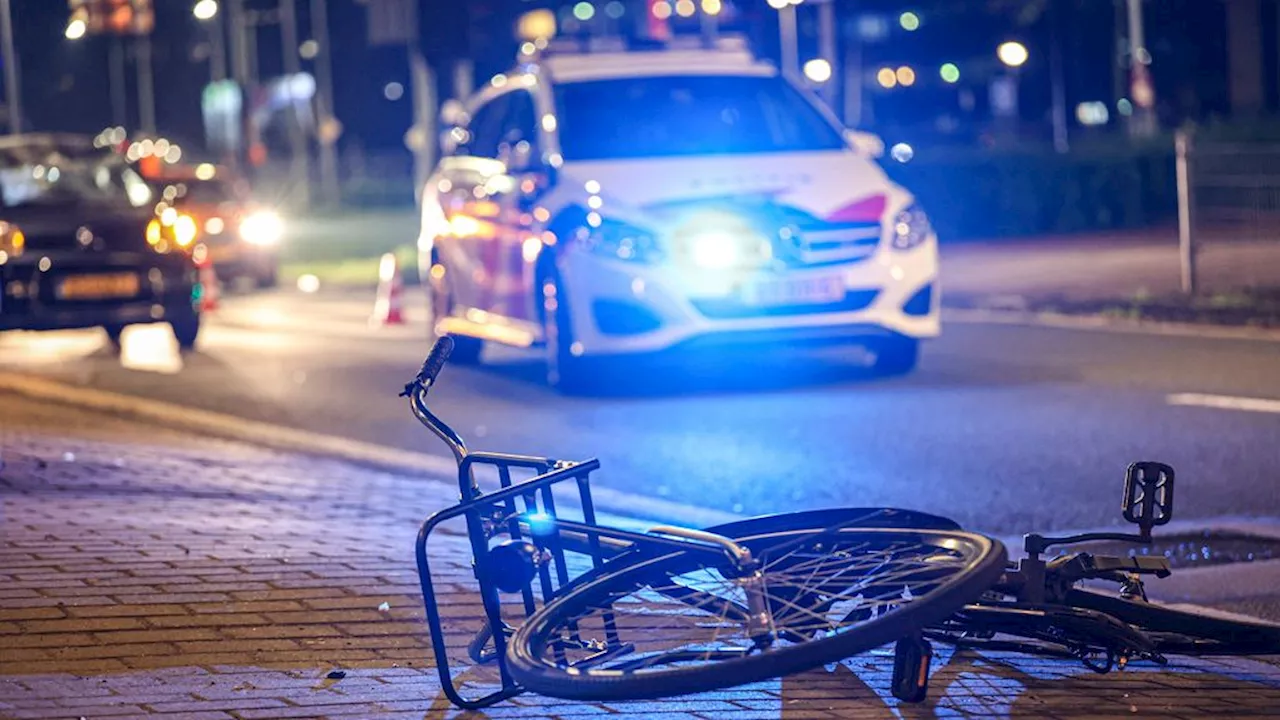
[494, 513]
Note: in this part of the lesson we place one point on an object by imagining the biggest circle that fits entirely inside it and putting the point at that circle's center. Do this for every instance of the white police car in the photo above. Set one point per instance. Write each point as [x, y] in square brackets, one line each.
[603, 204]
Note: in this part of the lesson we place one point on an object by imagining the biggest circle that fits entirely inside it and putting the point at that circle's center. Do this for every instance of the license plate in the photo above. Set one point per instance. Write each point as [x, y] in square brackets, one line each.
[99, 287]
[807, 291]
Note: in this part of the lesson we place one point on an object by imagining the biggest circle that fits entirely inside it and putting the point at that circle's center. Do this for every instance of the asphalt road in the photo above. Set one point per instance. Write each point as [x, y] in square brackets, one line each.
[1004, 428]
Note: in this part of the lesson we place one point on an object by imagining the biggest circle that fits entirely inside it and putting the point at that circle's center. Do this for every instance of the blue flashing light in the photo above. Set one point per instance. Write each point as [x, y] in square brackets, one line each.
[541, 524]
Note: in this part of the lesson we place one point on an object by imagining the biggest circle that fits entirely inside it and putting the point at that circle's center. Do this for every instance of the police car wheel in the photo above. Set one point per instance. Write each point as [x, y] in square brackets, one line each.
[566, 372]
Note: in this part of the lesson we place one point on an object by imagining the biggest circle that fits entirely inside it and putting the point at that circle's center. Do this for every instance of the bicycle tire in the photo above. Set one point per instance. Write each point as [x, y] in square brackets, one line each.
[984, 560]
[1183, 632]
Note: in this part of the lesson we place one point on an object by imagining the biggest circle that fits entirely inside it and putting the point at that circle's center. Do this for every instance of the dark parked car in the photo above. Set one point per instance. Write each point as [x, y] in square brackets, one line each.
[81, 246]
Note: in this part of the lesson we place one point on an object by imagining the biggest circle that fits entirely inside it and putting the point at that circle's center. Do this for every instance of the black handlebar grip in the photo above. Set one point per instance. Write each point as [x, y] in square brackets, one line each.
[435, 361]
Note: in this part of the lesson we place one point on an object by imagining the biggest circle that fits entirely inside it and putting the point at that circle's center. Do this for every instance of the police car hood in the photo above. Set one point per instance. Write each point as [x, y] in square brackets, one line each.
[825, 184]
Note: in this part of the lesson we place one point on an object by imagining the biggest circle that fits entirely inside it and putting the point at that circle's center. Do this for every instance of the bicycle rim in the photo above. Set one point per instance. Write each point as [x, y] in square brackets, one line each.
[677, 623]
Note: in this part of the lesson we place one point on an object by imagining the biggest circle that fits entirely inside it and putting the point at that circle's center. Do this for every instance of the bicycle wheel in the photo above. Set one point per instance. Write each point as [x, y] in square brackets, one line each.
[1181, 632]
[658, 626]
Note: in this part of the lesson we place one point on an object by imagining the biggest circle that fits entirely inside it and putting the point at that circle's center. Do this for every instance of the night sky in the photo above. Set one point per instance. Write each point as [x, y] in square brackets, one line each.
[65, 83]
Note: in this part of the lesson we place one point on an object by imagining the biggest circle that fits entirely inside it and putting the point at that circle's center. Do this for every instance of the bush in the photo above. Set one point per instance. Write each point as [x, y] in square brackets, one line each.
[989, 194]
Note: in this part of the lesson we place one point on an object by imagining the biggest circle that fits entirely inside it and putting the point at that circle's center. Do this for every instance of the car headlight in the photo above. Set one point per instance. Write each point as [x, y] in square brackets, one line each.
[12, 242]
[618, 240]
[910, 228]
[184, 231]
[262, 228]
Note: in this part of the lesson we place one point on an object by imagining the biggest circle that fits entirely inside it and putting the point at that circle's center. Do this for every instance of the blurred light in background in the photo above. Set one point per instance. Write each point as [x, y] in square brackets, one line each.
[902, 152]
[1124, 106]
[662, 10]
[906, 76]
[909, 21]
[1092, 113]
[1011, 53]
[818, 70]
[685, 8]
[308, 283]
[872, 27]
[711, 7]
[205, 9]
[309, 49]
[615, 9]
[536, 24]
[886, 77]
[584, 11]
[76, 29]
[777, 4]
[949, 72]
[393, 91]
[205, 171]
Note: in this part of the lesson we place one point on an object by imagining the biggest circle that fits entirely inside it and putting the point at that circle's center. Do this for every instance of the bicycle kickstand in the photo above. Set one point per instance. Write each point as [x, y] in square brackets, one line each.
[911, 658]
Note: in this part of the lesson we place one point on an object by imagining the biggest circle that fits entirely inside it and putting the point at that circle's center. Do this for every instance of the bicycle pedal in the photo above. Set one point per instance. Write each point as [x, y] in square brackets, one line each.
[911, 658]
[1148, 495]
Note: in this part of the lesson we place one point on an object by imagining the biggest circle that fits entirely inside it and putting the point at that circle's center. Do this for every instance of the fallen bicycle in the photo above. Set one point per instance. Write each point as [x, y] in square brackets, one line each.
[673, 611]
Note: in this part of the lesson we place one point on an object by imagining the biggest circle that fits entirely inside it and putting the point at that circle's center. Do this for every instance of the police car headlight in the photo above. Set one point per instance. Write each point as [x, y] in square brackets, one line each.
[910, 228]
[618, 240]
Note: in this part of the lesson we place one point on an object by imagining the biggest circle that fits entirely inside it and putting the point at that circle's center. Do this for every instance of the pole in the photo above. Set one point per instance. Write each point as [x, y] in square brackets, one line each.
[146, 86]
[300, 164]
[790, 40]
[1186, 210]
[217, 50]
[329, 191]
[12, 85]
[1141, 90]
[1057, 73]
[827, 47]
[1117, 79]
[239, 48]
[119, 100]
[424, 117]
[853, 82]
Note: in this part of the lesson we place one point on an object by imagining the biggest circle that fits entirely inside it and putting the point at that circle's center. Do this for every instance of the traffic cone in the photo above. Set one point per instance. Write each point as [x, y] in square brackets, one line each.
[211, 288]
[387, 310]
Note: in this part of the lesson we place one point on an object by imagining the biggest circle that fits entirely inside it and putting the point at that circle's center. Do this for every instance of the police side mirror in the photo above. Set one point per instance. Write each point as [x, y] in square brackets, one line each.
[864, 143]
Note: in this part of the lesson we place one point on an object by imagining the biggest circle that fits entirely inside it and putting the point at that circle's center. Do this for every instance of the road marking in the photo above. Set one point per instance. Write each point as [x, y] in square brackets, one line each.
[1225, 402]
[279, 437]
[966, 316]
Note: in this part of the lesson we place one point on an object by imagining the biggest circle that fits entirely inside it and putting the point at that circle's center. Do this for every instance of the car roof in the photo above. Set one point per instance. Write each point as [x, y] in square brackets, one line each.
[730, 56]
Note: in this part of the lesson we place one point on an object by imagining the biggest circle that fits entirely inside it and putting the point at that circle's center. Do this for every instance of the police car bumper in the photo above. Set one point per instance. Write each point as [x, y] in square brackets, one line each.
[619, 307]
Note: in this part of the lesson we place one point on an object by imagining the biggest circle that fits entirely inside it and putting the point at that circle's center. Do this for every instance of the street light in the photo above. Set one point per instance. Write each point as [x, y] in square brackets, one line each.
[205, 9]
[1012, 53]
[818, 70]
[76, 29]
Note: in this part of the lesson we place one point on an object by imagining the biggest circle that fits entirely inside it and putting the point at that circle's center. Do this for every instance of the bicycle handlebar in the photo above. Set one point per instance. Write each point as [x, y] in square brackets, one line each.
[435, 361]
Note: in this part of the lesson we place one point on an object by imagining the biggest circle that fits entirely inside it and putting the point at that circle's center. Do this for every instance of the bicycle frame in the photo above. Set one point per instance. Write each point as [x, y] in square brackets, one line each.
[499, 512]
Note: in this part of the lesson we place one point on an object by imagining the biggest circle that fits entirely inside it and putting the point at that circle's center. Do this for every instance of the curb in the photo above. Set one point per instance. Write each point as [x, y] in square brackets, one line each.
[972, 316]
[278, 437]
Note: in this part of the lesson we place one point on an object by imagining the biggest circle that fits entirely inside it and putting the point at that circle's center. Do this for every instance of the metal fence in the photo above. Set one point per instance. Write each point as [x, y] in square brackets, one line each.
[1229, 214]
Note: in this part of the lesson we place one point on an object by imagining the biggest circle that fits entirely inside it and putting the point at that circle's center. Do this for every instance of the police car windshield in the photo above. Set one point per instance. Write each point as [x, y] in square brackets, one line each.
[687, 115]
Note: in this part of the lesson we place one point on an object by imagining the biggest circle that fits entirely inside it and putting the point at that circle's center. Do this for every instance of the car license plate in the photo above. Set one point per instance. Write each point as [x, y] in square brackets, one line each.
[99, 287]
[806, 291]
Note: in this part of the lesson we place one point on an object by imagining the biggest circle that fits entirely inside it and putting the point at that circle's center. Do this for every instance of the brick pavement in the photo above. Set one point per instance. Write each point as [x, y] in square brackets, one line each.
[147, 572]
